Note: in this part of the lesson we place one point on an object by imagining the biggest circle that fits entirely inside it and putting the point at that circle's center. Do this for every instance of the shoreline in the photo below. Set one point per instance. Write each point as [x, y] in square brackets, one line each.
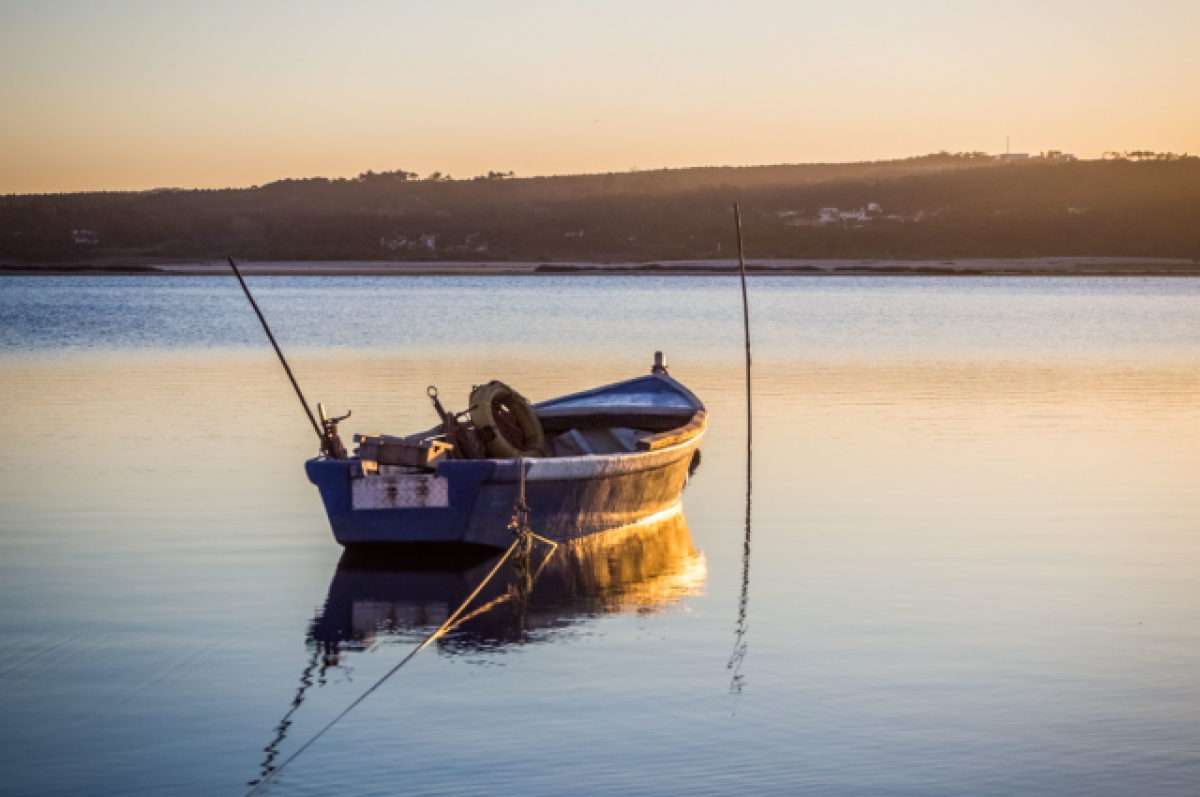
[961, 267]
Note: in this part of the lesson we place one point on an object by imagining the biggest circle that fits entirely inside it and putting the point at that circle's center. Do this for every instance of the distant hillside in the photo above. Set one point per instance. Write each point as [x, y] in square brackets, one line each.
[930, 207]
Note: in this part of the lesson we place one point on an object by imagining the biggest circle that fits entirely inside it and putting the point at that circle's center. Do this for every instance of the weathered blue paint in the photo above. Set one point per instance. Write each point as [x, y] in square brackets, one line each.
[569, 497]
[332, 477]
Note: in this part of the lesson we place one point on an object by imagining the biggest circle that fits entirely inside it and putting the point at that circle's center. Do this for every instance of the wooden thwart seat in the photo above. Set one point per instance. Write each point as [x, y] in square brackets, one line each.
[675, 436]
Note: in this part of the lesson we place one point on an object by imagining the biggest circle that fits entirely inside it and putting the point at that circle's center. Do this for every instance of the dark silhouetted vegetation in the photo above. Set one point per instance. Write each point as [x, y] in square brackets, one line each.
[937, 206]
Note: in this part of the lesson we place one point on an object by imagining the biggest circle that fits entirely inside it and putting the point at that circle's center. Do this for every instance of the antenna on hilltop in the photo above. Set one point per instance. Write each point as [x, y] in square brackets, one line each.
[1007, 151]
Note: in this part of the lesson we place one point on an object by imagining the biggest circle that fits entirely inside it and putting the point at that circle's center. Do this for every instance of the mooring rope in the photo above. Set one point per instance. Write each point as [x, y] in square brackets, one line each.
[262, 784]
[494, 602]
[523, 539]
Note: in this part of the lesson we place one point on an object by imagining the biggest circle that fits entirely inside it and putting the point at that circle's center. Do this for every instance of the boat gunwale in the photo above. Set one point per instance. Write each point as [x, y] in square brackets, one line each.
[546, 407]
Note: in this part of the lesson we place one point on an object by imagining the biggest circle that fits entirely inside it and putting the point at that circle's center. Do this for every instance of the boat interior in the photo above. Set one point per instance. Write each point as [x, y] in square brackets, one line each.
[636, 416]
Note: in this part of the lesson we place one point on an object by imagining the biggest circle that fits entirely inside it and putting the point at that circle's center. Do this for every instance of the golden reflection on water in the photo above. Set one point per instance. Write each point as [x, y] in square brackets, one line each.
[199, 429]
[242, 397]
[644, 568]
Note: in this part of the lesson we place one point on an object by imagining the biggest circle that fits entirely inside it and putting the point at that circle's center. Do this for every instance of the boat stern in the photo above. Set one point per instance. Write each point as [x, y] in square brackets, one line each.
[393, 506]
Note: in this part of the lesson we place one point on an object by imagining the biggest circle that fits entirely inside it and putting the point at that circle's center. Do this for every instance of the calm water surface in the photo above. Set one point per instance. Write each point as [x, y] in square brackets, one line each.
[974, 565]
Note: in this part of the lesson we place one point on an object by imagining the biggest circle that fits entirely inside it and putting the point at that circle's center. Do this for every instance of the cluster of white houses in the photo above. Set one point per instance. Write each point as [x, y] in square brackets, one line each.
[829, 216]
[835, 216]
[429, 241]
[404, 242]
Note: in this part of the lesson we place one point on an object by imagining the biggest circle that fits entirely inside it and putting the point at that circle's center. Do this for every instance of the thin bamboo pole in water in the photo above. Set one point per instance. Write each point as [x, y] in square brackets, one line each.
[737, 217]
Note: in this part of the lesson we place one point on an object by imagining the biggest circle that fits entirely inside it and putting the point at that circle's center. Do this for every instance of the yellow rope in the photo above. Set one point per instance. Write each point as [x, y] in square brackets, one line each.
[441, 630]
[553, 545]
[503, 598]
[520, 526]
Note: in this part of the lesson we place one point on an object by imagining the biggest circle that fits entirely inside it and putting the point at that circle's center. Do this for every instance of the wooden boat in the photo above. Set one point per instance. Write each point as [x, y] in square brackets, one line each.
[615, 455]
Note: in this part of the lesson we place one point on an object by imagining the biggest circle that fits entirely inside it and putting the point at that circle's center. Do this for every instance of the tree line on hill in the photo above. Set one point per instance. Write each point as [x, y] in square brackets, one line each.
[938, 206]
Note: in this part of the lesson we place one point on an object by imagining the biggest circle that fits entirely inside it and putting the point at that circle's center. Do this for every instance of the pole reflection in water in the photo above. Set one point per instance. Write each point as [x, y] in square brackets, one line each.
[644, 568]
[739, 641]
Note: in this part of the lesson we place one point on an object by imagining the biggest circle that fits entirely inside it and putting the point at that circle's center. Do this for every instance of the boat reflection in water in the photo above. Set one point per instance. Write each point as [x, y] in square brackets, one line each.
[642, 568]
[406, 595]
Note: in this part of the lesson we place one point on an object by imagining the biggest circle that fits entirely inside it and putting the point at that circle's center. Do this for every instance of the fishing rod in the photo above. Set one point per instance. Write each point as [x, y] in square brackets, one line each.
[331, 444]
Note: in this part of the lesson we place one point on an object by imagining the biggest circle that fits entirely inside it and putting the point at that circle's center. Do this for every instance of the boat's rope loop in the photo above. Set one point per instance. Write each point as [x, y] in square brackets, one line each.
[520, 522]
[519, 526]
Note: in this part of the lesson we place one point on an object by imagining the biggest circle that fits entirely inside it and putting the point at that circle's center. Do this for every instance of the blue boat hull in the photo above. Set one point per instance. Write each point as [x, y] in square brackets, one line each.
[472, 501]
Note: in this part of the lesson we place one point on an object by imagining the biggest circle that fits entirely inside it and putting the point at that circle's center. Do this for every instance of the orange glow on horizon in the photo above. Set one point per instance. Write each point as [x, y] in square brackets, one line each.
[129, 96]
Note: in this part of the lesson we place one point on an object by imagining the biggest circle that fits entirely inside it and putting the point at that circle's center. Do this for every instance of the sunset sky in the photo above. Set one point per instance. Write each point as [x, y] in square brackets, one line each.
[134, 95]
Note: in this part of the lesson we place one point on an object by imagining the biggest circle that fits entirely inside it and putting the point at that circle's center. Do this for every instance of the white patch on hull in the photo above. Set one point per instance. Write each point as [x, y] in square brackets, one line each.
[400, 492]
